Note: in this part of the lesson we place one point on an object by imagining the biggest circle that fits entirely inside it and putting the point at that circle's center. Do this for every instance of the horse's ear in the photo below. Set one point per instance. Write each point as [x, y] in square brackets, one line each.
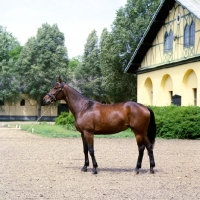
[59, 80]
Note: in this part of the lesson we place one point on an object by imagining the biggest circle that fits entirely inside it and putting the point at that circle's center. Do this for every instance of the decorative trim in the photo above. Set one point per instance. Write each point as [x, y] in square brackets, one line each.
[175, 64]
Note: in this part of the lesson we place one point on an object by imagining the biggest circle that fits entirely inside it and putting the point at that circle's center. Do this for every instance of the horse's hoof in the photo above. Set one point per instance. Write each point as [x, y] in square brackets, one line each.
[151, 171]
[137, 171]
[94, 171]
[84, 169]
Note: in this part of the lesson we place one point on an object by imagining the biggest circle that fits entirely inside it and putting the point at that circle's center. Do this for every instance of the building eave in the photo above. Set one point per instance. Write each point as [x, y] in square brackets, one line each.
[169, 65]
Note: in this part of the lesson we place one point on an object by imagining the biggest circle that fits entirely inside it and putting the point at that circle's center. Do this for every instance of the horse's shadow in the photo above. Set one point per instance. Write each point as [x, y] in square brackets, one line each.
[118, 170]
[124, 170]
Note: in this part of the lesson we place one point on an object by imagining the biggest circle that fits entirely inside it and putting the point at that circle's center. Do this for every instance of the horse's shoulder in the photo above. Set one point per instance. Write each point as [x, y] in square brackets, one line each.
[92, 103]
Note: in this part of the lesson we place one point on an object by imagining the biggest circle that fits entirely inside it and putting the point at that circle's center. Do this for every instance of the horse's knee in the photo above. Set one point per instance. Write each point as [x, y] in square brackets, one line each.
[141, 148]
[91, 151]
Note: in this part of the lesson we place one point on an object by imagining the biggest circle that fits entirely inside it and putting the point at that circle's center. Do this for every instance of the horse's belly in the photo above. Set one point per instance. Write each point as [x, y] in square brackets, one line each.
[109, 128]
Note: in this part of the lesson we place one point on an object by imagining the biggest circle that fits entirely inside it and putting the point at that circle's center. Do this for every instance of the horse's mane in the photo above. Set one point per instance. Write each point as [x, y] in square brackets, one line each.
[77, 91]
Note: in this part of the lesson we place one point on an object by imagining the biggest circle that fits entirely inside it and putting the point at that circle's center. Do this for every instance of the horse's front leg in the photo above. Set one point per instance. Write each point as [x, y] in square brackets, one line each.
[85, 151]
[90, 142]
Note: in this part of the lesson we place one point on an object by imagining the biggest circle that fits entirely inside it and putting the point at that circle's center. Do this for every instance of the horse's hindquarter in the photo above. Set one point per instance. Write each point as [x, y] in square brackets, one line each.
[139, 117]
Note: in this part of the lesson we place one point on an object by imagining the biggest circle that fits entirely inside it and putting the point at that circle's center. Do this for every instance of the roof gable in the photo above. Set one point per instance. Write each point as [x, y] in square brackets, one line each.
[152, 30]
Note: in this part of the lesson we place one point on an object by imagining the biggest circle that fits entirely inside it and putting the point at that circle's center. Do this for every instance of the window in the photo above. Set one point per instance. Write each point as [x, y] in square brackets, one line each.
[22, 102]
[195, 96]
[186, 36]
[189, 34]
[192, 34]
[170, 96]
[168, 41]
[1, 103]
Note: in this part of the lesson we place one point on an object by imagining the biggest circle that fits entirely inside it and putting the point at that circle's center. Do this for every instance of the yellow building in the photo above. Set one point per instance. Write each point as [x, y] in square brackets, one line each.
[167, 59]
[27, 110]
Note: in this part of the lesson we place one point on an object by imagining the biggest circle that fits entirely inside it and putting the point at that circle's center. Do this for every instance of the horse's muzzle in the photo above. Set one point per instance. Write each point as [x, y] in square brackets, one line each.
[46, 101]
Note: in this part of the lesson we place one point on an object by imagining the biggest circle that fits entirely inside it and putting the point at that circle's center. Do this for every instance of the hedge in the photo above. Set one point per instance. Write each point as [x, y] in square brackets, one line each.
[181, 122]
[66, 119]
[172, 122]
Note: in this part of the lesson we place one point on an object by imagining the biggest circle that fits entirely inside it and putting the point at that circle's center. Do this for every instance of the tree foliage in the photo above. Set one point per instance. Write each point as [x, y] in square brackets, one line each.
[72, 66]
[118, 46]
[42, 59]
[88, 73]
[9, 90]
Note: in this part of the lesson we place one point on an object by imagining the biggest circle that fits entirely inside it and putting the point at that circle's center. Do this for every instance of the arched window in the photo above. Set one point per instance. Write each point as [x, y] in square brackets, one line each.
[170, 40]
[186, 36]
[192, 33]
[189, 35]
[166, 42]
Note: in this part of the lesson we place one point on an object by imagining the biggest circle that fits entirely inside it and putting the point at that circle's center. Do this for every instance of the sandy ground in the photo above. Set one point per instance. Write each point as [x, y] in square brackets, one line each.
[32, 167]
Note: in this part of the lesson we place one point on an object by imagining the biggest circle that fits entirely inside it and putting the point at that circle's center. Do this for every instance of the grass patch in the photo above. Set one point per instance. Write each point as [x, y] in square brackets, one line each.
[50, 131]
[56, 131]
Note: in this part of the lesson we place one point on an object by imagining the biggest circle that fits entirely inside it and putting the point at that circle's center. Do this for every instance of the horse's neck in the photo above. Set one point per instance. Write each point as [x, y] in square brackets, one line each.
[74, 100]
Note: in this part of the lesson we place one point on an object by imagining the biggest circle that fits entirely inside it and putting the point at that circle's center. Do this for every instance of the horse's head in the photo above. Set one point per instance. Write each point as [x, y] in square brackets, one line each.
[56, 93]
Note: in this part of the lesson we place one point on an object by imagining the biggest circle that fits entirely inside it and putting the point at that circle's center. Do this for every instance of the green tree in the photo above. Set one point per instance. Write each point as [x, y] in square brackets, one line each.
[88, 73]
[119, 45]
[41, 61]
[15, 52]
[74, 62]
[9, 90]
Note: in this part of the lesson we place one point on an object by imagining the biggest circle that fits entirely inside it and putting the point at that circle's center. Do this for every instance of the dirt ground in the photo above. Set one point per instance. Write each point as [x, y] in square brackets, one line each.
[32, 167]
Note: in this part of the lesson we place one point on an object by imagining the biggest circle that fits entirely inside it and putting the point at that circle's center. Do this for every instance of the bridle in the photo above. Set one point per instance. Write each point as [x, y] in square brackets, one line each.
[53, 96]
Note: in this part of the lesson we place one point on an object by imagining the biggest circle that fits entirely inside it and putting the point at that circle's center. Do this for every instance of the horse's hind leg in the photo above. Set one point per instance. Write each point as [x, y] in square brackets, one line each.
[141, 148]
[85, 150]
[149, 148]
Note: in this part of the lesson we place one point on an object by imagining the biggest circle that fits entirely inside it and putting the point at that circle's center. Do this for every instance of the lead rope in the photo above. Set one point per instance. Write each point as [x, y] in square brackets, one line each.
[39, 118]
[41, 163]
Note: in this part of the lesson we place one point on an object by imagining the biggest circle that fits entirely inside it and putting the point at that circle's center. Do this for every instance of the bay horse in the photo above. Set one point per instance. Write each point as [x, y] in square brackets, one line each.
[92, 117]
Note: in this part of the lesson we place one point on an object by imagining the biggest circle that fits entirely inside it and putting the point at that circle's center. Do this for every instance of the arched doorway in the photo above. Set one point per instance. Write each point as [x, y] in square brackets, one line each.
[148, 94]
[190, 84]
[166, 89]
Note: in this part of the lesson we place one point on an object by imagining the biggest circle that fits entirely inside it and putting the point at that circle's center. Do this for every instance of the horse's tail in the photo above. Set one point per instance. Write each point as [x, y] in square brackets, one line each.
[151, 134]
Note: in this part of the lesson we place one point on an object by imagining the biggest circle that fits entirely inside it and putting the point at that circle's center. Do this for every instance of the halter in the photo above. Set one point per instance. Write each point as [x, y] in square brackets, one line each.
[53, 96]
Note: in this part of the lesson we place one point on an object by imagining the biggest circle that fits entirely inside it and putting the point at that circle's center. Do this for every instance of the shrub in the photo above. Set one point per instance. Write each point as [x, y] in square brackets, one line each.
[66, 119]
[182, 122]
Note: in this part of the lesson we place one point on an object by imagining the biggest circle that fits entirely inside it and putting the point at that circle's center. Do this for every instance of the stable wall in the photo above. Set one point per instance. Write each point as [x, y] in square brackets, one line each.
[158, 87]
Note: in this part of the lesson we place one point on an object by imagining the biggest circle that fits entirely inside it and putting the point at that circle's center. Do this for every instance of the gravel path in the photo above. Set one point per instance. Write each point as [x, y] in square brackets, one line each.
[33, 167]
